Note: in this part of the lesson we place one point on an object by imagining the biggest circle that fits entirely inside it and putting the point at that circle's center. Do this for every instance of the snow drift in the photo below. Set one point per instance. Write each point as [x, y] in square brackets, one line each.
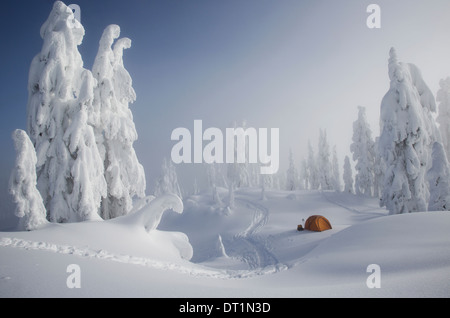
[255, 251]
[134, 234]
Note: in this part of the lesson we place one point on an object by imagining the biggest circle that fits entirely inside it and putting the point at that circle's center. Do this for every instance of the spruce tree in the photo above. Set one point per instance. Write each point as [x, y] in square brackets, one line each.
[335, 171]
[439, 180]
[69, 167]
[291, 174]
[348, 176]
[22, 184]
[114, 127]
[443, 119]
[363, 154]
[324, 163]
[407, 134]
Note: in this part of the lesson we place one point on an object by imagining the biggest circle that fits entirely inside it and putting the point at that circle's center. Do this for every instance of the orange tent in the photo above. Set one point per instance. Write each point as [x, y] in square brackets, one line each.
[317, 223]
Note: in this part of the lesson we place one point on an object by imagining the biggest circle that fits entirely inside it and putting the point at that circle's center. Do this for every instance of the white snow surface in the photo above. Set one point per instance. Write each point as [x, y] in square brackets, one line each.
[253, 250]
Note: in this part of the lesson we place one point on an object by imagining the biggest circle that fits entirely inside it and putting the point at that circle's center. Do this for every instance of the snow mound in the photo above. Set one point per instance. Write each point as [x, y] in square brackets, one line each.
[134, 234]
[412, 250]
[392, 240]
[150, 214]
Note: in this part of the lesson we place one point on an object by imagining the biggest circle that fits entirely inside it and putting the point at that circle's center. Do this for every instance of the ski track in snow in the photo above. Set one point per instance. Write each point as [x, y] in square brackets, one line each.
[260, 218]
[87, 252]
[256, 253]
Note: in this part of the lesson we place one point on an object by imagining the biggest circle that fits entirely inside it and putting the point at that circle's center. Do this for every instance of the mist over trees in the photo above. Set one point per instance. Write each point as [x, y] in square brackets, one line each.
[348, 176]
[167, 183]
[363, 154]
[76, 161]
[406, 167]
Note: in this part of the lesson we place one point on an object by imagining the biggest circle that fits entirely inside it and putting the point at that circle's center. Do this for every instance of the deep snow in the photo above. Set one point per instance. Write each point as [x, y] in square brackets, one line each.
[251, 251]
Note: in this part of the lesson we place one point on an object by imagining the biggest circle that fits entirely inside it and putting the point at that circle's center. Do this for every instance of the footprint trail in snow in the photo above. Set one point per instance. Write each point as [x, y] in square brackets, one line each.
[252, 248]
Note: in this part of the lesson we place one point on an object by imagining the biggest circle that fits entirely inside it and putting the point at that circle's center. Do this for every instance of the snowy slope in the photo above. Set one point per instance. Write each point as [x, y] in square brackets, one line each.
[251, 251]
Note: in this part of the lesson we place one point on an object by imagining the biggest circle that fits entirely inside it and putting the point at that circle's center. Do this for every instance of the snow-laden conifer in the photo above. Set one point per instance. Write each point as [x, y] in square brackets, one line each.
[443, 119]
[439, 180]
[363, 151]
[114, 127]
[22, 184]
[348, 176]
[167, 183]
[291, 174]
[69, 166]
[324, 162]
[407, 135]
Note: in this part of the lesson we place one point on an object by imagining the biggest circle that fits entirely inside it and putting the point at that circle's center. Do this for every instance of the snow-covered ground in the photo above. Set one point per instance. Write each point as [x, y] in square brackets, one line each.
[253, 250]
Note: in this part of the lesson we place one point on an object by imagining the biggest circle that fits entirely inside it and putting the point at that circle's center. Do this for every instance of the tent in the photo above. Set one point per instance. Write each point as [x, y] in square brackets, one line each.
[317, 223]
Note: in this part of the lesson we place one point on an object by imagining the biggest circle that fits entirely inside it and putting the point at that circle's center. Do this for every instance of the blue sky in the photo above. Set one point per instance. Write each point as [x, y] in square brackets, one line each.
[297, 65]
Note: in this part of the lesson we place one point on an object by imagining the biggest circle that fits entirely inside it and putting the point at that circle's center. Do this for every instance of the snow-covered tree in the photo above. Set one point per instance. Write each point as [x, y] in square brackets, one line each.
[407, 134]
[266, 182]
[324, 163]
[22, 184]
[291, 174]
[232, 181]
[253, 170]
[114, 126]
[69, 167]
[312, 169]
[237, 174]
[443, 119]
[278, 180]
[439, 180]
[242, 170]
[215, 179]
[348, 176]
[363, 154]
[167, 183]
[210, 170]
[335, 169]
[304, 175]
[195, 188]
[378, 171]
[215, 174]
